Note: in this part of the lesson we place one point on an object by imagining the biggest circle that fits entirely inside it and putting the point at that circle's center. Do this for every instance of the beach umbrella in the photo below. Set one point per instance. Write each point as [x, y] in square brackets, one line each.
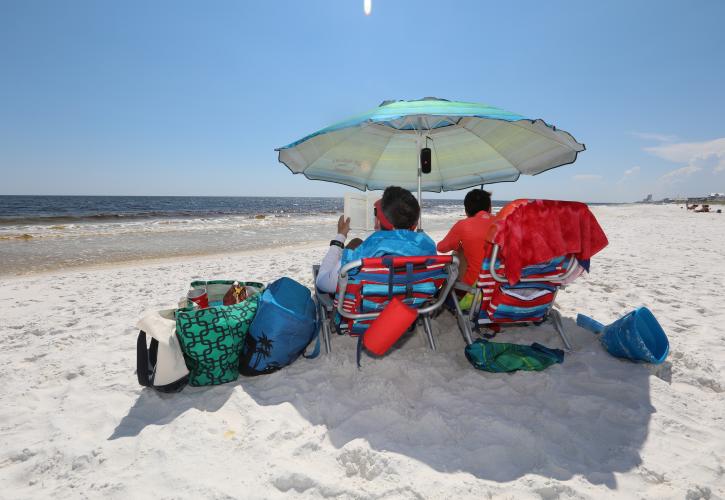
[459, 144]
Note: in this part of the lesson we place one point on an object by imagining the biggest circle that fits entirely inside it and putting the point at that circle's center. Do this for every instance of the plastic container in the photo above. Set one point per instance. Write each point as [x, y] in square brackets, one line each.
[636, 336]
[199, 297]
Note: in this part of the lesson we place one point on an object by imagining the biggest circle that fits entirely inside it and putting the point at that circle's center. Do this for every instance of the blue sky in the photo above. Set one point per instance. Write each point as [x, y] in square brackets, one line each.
[191, 98]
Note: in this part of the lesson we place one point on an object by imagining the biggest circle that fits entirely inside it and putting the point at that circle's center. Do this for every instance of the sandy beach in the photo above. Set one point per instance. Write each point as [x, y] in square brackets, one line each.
[74, 423]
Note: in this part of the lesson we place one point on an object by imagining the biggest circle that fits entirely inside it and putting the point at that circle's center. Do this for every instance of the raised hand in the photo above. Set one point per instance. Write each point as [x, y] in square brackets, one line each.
[343, 225]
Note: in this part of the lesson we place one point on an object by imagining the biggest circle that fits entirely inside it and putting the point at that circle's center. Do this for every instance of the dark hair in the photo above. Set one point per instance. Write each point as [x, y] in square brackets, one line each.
[400, 207]
[477, 200]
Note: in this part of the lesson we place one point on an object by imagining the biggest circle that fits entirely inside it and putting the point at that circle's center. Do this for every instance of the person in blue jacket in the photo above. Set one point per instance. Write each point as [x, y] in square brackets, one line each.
[397, 214]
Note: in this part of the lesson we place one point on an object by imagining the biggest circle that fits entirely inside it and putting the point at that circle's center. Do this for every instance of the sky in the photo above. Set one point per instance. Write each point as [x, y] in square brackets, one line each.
[191, 98]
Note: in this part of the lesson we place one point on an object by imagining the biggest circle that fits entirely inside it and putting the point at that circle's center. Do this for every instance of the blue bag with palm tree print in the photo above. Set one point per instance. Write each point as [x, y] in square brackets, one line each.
[285, 324]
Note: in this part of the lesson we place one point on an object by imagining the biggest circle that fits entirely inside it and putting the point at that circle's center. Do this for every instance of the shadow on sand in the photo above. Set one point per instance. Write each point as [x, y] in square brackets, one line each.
[154, 408]
[588, 416]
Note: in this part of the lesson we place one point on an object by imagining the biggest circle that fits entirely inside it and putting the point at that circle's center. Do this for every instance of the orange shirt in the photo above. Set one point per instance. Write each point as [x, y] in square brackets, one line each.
[469, 234]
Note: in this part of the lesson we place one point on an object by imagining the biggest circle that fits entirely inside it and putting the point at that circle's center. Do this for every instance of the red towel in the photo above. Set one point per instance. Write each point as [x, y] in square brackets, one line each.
[535, 231]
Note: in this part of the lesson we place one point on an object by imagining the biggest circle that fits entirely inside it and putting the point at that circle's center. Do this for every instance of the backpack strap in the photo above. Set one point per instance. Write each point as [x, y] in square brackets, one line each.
[409, 280]
[316, 349]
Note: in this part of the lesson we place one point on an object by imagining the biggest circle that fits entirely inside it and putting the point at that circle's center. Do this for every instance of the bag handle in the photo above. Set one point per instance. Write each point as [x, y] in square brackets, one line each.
[142, 360]
[146, 359]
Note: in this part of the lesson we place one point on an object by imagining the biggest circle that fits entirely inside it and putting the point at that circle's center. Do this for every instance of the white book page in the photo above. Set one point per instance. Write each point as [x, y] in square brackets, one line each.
[356, 208]
[359, 207]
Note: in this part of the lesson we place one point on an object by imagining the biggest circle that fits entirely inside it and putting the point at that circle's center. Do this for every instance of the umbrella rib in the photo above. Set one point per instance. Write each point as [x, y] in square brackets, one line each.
[440, 171]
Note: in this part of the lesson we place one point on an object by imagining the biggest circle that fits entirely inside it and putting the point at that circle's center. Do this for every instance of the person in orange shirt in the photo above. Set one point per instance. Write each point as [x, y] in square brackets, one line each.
[467, 238]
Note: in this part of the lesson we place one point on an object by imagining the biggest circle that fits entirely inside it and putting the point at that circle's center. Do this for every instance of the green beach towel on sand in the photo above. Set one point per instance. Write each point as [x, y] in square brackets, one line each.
[500, 357]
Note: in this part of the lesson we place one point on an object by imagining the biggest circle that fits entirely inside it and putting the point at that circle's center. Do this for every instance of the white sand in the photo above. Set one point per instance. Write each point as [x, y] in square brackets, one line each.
[415, 424]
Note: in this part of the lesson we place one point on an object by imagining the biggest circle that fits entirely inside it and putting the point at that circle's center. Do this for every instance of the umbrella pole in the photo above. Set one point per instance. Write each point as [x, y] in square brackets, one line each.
[420, 202]
[420, 176]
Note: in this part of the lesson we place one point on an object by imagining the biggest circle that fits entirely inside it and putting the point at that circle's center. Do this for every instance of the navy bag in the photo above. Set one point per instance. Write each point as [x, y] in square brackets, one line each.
[285, 324]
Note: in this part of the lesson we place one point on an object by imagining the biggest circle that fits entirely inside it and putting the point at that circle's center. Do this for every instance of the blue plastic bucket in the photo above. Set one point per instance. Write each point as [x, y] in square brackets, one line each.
[636, 336]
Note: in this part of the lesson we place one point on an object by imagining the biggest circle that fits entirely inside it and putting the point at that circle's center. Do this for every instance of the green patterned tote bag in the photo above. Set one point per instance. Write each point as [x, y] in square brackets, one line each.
[212, 340]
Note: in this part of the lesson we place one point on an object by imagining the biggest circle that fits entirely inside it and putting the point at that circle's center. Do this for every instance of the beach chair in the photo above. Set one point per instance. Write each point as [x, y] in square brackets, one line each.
[366, 286]
[514, 287]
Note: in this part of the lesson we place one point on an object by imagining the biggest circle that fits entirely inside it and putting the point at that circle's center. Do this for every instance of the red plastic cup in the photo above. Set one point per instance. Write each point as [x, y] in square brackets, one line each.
[199, 297]
[387, 328]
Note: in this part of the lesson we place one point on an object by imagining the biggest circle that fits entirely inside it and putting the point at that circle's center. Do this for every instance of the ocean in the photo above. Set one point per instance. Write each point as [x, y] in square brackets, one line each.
[44, 233]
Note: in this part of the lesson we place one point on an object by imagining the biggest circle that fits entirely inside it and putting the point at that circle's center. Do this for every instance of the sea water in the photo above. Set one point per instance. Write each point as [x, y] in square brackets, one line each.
[42, 233]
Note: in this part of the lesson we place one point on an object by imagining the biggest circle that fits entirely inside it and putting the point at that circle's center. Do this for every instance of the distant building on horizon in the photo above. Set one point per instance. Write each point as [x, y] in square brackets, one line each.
[712, 198]
[688, 200]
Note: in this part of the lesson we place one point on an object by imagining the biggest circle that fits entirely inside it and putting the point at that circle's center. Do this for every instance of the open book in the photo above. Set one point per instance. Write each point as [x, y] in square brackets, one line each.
[360, 208]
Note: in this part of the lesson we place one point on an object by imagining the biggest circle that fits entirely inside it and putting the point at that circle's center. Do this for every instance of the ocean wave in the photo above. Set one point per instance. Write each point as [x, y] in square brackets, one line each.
[22, 237]
[102, 227]
[58, 221]
[239, 223]
[104, 217]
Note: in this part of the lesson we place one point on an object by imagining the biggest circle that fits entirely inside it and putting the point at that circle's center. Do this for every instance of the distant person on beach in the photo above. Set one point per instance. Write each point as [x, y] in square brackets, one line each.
[396, 214]
[467, 238]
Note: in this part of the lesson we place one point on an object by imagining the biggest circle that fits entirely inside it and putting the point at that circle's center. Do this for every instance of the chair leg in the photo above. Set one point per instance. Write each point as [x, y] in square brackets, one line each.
[464, 324]
[326, 337]
[325, 326]
[429, 332]
[323, 314]
[559, 327]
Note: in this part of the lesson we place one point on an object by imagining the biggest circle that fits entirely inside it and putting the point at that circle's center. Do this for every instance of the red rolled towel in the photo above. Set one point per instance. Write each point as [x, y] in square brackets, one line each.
[387, 328]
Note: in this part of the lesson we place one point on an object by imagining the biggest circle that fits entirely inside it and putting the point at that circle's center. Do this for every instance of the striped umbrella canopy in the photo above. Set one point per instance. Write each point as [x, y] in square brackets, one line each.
[471, 144]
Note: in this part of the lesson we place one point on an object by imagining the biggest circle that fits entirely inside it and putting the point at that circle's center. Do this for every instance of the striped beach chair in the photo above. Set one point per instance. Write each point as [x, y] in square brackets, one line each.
[530, 297]
[366, 286]
[530, 300]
